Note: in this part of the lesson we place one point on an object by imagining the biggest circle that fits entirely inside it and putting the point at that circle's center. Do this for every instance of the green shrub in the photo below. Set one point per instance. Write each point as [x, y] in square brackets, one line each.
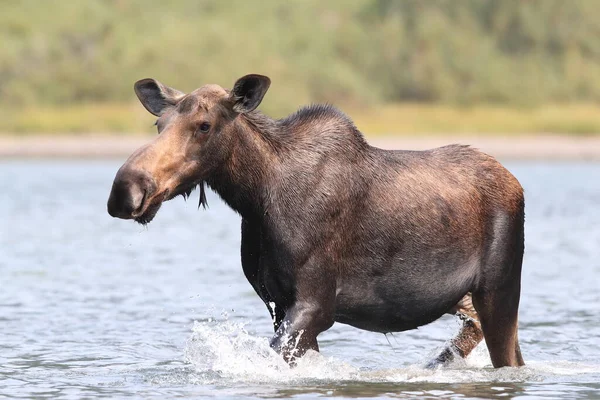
[360, 54]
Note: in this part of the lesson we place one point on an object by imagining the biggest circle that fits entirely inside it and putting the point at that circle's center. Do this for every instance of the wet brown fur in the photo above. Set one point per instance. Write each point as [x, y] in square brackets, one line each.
[329, 221]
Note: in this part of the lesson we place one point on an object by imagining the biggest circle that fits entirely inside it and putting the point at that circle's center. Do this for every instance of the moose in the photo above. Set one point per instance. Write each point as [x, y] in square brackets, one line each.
[334, 229]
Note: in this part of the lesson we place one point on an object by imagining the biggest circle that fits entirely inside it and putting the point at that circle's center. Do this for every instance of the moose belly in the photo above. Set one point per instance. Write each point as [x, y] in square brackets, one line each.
[378, 317]
[394, 303]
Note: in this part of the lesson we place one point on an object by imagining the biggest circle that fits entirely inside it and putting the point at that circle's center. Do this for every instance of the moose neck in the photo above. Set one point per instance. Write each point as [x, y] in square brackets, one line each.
[241, 181]
[265, 168]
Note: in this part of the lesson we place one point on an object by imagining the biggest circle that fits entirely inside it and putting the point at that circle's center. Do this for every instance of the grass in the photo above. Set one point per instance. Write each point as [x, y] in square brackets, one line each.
[404, 119]
[80, 119]
[410, 119]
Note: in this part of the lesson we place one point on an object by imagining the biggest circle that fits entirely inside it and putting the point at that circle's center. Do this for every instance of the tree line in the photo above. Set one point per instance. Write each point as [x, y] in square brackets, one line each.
[359, 53]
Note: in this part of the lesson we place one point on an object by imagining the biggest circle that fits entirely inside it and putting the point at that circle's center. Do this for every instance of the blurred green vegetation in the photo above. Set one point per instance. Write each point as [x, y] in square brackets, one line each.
[469, 65]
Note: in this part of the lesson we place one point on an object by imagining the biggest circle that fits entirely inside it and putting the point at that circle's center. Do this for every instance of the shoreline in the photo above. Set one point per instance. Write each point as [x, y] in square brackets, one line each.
[526, 147]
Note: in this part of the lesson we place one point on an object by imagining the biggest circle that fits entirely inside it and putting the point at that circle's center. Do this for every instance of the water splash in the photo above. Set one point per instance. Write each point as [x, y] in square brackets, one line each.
[271, 305]
[224, 351]
[226, 347]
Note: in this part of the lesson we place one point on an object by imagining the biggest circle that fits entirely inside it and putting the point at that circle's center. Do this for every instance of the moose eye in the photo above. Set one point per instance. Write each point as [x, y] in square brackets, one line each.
[204, 127]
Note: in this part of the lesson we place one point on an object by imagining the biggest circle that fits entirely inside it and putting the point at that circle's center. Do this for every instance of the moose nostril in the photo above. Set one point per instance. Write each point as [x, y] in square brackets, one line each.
[119, 202]
[130, 191]
[137, 199]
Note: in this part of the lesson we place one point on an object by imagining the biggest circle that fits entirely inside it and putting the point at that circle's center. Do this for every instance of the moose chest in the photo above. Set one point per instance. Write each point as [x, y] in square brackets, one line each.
[267, 268]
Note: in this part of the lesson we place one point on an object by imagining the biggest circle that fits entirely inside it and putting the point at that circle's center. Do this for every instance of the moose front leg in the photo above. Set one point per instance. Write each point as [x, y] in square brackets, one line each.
[299, 329]
[311, 311]
[277, 314]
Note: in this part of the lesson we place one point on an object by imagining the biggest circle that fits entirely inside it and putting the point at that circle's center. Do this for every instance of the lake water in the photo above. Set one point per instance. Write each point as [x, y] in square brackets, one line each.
[92, 306]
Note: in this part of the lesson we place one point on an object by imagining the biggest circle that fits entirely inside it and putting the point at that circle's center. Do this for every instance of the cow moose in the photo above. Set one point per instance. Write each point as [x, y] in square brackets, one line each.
[334, 229]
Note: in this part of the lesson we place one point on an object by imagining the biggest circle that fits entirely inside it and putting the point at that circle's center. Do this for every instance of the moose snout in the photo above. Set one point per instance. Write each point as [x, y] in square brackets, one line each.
[131, 188]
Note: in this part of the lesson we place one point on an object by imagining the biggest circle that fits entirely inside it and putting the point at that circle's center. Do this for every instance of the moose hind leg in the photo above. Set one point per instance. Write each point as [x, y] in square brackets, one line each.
[497, 298]
[469, 336]
[499, 322]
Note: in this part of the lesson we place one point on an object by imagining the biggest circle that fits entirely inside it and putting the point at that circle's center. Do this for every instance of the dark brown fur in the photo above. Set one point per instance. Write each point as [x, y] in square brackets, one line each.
[334, 229]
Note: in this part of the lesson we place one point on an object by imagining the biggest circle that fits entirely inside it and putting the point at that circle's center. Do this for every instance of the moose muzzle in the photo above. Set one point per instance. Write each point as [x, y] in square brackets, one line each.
[130, 191]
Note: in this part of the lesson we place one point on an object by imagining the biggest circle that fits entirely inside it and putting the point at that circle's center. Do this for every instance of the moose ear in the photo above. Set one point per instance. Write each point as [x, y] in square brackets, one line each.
[155, 96]
[248, 92]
